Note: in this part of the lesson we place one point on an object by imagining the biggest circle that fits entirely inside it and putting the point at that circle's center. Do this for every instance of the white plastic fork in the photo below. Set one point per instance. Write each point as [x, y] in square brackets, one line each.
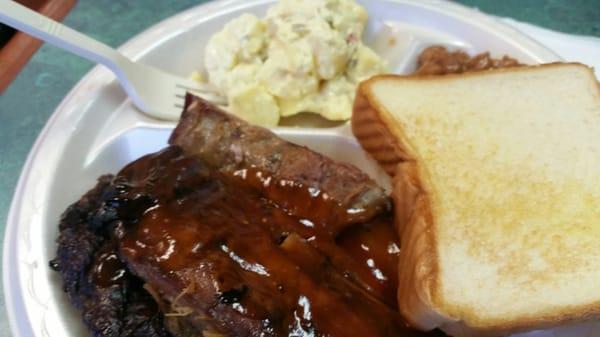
[153, 91]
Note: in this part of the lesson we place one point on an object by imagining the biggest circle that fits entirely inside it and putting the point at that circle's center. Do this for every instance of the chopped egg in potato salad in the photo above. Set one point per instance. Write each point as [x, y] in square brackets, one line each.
[305, 56]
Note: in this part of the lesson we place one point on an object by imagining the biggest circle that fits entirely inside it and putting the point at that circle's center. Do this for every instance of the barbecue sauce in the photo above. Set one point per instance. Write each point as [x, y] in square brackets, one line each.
[108, 269]
[269, 263]
[314, 206]
[376, 246]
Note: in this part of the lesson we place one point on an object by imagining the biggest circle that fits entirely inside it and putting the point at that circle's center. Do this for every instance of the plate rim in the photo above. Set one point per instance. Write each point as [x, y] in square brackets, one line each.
[98, 76]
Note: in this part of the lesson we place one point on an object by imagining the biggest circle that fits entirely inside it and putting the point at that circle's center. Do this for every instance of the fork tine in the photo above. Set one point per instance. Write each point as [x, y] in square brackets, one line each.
[221, 106]
[211, 97]
[190, 88]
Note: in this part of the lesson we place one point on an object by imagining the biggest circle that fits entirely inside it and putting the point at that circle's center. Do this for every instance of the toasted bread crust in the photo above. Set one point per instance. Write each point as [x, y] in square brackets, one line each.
[373, 135]
[418, 297]
[412, 215]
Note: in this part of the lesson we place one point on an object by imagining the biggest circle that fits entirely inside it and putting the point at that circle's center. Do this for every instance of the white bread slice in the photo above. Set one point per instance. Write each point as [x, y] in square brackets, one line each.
[497, 194]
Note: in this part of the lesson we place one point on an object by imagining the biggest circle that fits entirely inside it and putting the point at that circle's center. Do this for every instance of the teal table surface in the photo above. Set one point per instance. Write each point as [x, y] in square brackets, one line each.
[30, 100]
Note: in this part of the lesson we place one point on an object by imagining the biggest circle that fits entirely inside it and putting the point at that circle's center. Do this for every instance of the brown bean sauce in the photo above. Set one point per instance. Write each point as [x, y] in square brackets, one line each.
[437, 60]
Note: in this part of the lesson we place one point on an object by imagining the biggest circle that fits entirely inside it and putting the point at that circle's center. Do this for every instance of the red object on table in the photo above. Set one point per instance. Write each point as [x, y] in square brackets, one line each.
[19, 49]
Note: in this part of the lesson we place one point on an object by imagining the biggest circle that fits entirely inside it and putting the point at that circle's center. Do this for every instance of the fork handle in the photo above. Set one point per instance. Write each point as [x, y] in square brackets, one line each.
[37, 25]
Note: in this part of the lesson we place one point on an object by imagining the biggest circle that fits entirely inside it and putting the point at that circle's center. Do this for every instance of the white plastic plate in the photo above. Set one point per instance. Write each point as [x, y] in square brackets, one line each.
[95, 130]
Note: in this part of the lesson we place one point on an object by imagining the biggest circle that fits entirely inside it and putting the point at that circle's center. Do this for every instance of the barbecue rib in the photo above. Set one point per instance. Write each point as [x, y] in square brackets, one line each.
[227, 243]
[235, 262]
[229, 144]
[112, 300]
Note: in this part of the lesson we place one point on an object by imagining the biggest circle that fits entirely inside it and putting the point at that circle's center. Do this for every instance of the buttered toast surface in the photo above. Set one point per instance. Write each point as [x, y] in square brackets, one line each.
[498, 194]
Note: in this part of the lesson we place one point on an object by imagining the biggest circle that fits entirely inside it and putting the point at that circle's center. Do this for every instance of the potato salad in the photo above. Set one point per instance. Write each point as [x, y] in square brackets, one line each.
[304, 56]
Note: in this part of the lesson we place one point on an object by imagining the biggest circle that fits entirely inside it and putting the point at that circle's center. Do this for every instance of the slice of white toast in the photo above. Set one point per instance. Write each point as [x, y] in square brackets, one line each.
[497, 194]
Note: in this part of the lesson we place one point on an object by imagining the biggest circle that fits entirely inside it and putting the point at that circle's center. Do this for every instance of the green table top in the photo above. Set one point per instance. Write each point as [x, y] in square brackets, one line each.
[32, 97]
